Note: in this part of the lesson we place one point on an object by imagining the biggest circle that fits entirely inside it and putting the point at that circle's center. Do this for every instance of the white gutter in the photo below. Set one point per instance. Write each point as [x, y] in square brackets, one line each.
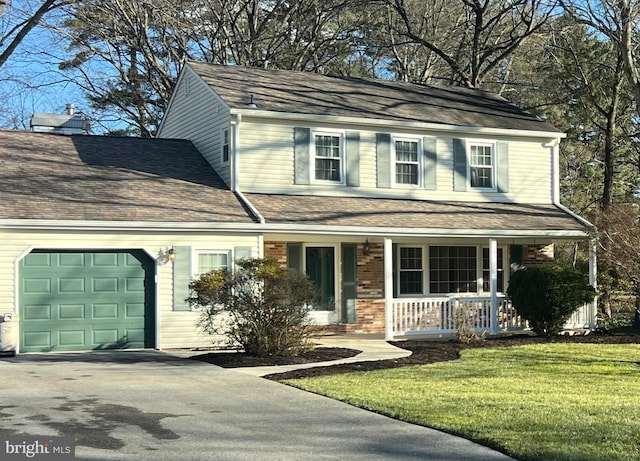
[313, 118]
[235, 172]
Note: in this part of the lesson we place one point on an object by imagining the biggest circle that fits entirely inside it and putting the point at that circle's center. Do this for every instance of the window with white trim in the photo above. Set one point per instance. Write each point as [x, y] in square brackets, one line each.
[453, 269]
[225, 145]
[482, 165]
[210, 260]
[486, 272]
[411, 270]
[328, 157]
[406, 159]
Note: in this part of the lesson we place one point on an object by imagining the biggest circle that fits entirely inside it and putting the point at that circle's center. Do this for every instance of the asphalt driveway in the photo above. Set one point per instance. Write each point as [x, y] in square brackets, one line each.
[147, 405]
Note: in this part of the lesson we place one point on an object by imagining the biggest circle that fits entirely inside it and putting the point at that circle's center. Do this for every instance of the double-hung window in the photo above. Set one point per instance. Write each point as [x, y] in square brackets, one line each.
[407, 162]
[411, 270]
[328, 162]
[482, 165]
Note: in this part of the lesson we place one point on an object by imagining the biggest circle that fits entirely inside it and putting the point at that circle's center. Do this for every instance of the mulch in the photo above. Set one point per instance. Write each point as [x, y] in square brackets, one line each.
[422, 352]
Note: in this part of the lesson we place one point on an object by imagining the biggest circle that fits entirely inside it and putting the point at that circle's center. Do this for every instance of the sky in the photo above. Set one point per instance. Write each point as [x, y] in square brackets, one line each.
[30, 80]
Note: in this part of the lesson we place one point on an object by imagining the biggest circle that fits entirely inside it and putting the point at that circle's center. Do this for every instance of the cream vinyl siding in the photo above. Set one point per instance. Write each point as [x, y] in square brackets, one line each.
[177, 328]
[196, 113]
[267, 166]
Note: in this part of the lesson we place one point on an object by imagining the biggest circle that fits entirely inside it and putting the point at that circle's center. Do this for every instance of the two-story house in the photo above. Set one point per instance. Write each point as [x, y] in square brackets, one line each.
[404, 203]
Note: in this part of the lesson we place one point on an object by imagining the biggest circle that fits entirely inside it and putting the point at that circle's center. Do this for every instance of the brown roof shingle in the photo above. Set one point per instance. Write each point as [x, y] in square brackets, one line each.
[101, 178]
[316, 94]
[413, 214]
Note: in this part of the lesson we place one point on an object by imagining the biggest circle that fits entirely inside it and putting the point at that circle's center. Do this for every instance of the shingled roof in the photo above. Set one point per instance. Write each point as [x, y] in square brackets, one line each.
[425, 215]
[101, 178]
[314, 94]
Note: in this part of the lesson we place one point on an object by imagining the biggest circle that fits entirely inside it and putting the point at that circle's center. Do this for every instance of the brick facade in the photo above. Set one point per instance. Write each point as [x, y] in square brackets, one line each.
[538, 254]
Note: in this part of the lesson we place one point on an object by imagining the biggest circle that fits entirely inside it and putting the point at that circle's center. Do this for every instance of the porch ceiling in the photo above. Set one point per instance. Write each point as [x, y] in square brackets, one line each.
[306, 210]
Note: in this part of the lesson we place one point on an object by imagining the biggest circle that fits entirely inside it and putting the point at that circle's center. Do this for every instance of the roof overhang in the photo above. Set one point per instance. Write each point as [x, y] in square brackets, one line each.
[258, 229]
[472, 130]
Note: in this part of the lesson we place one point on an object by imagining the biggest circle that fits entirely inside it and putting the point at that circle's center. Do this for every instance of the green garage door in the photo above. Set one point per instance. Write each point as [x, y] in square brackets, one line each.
[73, 300]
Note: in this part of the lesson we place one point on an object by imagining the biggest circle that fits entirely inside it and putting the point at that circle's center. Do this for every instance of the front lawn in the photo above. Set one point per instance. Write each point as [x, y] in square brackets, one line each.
[556, 401]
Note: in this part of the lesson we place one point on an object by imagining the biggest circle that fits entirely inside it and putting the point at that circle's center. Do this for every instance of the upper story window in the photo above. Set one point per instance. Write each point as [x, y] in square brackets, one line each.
[328, 161]
[407, 162]
[482, 165]
[225, 145]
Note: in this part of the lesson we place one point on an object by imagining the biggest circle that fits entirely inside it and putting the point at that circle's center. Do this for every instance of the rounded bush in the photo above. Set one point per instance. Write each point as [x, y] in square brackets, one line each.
[547, 295]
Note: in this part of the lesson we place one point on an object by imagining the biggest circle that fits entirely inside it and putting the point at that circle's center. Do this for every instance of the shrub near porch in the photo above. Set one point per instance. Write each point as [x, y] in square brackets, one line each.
[540, 402]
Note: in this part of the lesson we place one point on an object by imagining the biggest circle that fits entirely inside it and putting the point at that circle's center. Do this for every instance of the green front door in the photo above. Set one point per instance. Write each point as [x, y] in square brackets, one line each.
[75, 300]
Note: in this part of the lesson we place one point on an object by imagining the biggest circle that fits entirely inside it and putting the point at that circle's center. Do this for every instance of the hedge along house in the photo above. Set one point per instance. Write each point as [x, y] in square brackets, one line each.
[404, 203]
[101, 236]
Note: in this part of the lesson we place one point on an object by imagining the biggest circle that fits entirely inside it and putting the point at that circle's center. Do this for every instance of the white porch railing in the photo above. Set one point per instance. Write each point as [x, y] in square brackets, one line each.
[423, 316]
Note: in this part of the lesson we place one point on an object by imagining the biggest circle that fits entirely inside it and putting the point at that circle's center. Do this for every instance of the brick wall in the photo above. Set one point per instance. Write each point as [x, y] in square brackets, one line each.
[370, 281]
[277, 250]
[538, 254]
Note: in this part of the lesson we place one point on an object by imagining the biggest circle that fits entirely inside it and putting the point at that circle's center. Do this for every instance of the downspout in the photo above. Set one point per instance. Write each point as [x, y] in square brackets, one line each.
[235, 176]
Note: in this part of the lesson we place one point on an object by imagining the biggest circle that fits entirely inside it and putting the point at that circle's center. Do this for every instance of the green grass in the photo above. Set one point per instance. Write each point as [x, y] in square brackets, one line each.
[540, 402]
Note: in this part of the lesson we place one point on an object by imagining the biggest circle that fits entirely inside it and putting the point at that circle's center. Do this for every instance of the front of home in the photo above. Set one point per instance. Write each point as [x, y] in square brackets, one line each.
[401, 202]
[405, 204]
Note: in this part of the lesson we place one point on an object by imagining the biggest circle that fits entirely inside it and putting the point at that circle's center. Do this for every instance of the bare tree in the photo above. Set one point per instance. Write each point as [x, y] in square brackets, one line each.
[127, 54]
[470, 37]
[619, 239]
[16, 23]
[618, 21]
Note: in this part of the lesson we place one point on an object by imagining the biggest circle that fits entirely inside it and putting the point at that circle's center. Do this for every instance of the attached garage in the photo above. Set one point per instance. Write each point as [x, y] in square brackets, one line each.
[86, 300]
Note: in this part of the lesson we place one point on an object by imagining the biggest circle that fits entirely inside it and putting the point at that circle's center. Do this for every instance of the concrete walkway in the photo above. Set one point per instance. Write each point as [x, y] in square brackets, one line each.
[372, 347]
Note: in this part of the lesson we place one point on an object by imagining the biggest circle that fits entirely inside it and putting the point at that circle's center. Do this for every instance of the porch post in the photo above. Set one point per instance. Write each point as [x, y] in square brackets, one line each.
[493, 275]
[593, 280]
[388, 288]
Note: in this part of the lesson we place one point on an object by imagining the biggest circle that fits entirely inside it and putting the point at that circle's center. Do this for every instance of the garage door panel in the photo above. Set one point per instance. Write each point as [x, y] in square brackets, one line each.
[105, 311]
[105, 303]
[36, 312]
[71, 312]
[105, 259]
[72, 338]
[71, 285]
[71, 259]
[38, 340]
[105, 284]
[36, 285]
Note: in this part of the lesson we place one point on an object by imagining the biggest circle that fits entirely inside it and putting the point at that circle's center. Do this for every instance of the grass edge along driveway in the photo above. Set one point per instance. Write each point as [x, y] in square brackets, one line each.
[538, 402]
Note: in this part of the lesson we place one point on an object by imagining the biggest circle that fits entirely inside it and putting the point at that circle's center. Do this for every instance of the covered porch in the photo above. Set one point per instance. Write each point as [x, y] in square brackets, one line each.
[493, 313]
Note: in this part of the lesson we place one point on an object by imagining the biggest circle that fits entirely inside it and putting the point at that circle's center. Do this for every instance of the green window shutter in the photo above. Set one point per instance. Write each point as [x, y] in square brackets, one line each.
[459, 165]
[429, 162]
[383, 148]
[301, 141]
[294, 256]
[394, 265]
[502, 167]
[349, 283]
[181, 278]
[353, 158]
[242, 253]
